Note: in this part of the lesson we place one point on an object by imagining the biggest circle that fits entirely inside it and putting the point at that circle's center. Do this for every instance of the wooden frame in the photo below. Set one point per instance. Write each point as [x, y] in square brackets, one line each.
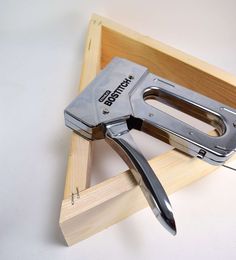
[86, 211]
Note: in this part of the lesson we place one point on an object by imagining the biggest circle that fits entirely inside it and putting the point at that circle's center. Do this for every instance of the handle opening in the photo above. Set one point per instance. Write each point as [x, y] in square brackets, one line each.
[184, 110]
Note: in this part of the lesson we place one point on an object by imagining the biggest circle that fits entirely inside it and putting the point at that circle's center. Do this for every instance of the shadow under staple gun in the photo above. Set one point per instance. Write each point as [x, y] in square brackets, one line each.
[114, 103]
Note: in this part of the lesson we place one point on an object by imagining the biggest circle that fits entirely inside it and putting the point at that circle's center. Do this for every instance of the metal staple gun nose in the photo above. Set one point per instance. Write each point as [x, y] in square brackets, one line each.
[114, 103]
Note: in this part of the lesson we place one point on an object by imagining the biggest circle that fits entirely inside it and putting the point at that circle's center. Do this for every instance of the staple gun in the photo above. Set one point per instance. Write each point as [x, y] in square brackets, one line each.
[114, 103]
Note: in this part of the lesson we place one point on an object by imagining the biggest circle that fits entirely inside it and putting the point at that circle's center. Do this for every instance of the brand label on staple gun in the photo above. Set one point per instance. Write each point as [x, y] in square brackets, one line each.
[104, 95]
[110, 97]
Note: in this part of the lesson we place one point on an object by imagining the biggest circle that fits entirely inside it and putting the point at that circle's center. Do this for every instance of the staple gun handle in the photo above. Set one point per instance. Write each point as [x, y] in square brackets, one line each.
[118, 136]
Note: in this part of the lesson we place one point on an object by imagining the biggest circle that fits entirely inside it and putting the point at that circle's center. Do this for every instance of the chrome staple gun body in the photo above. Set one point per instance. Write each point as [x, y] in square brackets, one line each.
[114, 103]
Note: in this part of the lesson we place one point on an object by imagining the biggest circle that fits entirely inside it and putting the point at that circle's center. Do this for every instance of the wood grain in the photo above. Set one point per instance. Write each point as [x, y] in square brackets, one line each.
[77, 176]
[117, 198]
[109, 202]
[167, 62]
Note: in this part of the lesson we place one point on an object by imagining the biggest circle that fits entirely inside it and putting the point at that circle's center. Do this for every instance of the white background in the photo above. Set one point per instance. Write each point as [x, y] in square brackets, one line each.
[41, 50]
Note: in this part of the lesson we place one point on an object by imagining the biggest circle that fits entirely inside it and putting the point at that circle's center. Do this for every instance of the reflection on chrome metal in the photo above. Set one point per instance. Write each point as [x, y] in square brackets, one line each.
[115, 102]
[118, 136]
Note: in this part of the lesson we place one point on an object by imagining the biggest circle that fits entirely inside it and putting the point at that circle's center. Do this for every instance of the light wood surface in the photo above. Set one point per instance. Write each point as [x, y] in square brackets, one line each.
[77, 177]
[167, 62]
[117, 198]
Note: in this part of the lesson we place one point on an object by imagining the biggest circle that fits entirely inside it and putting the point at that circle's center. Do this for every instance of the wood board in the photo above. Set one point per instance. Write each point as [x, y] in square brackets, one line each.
[86, 211]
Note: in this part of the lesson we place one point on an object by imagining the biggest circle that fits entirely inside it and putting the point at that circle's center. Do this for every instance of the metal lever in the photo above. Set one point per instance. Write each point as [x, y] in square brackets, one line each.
[118, 136]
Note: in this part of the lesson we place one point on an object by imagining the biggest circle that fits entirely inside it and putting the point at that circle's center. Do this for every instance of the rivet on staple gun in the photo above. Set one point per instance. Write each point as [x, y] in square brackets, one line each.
[114, 103]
